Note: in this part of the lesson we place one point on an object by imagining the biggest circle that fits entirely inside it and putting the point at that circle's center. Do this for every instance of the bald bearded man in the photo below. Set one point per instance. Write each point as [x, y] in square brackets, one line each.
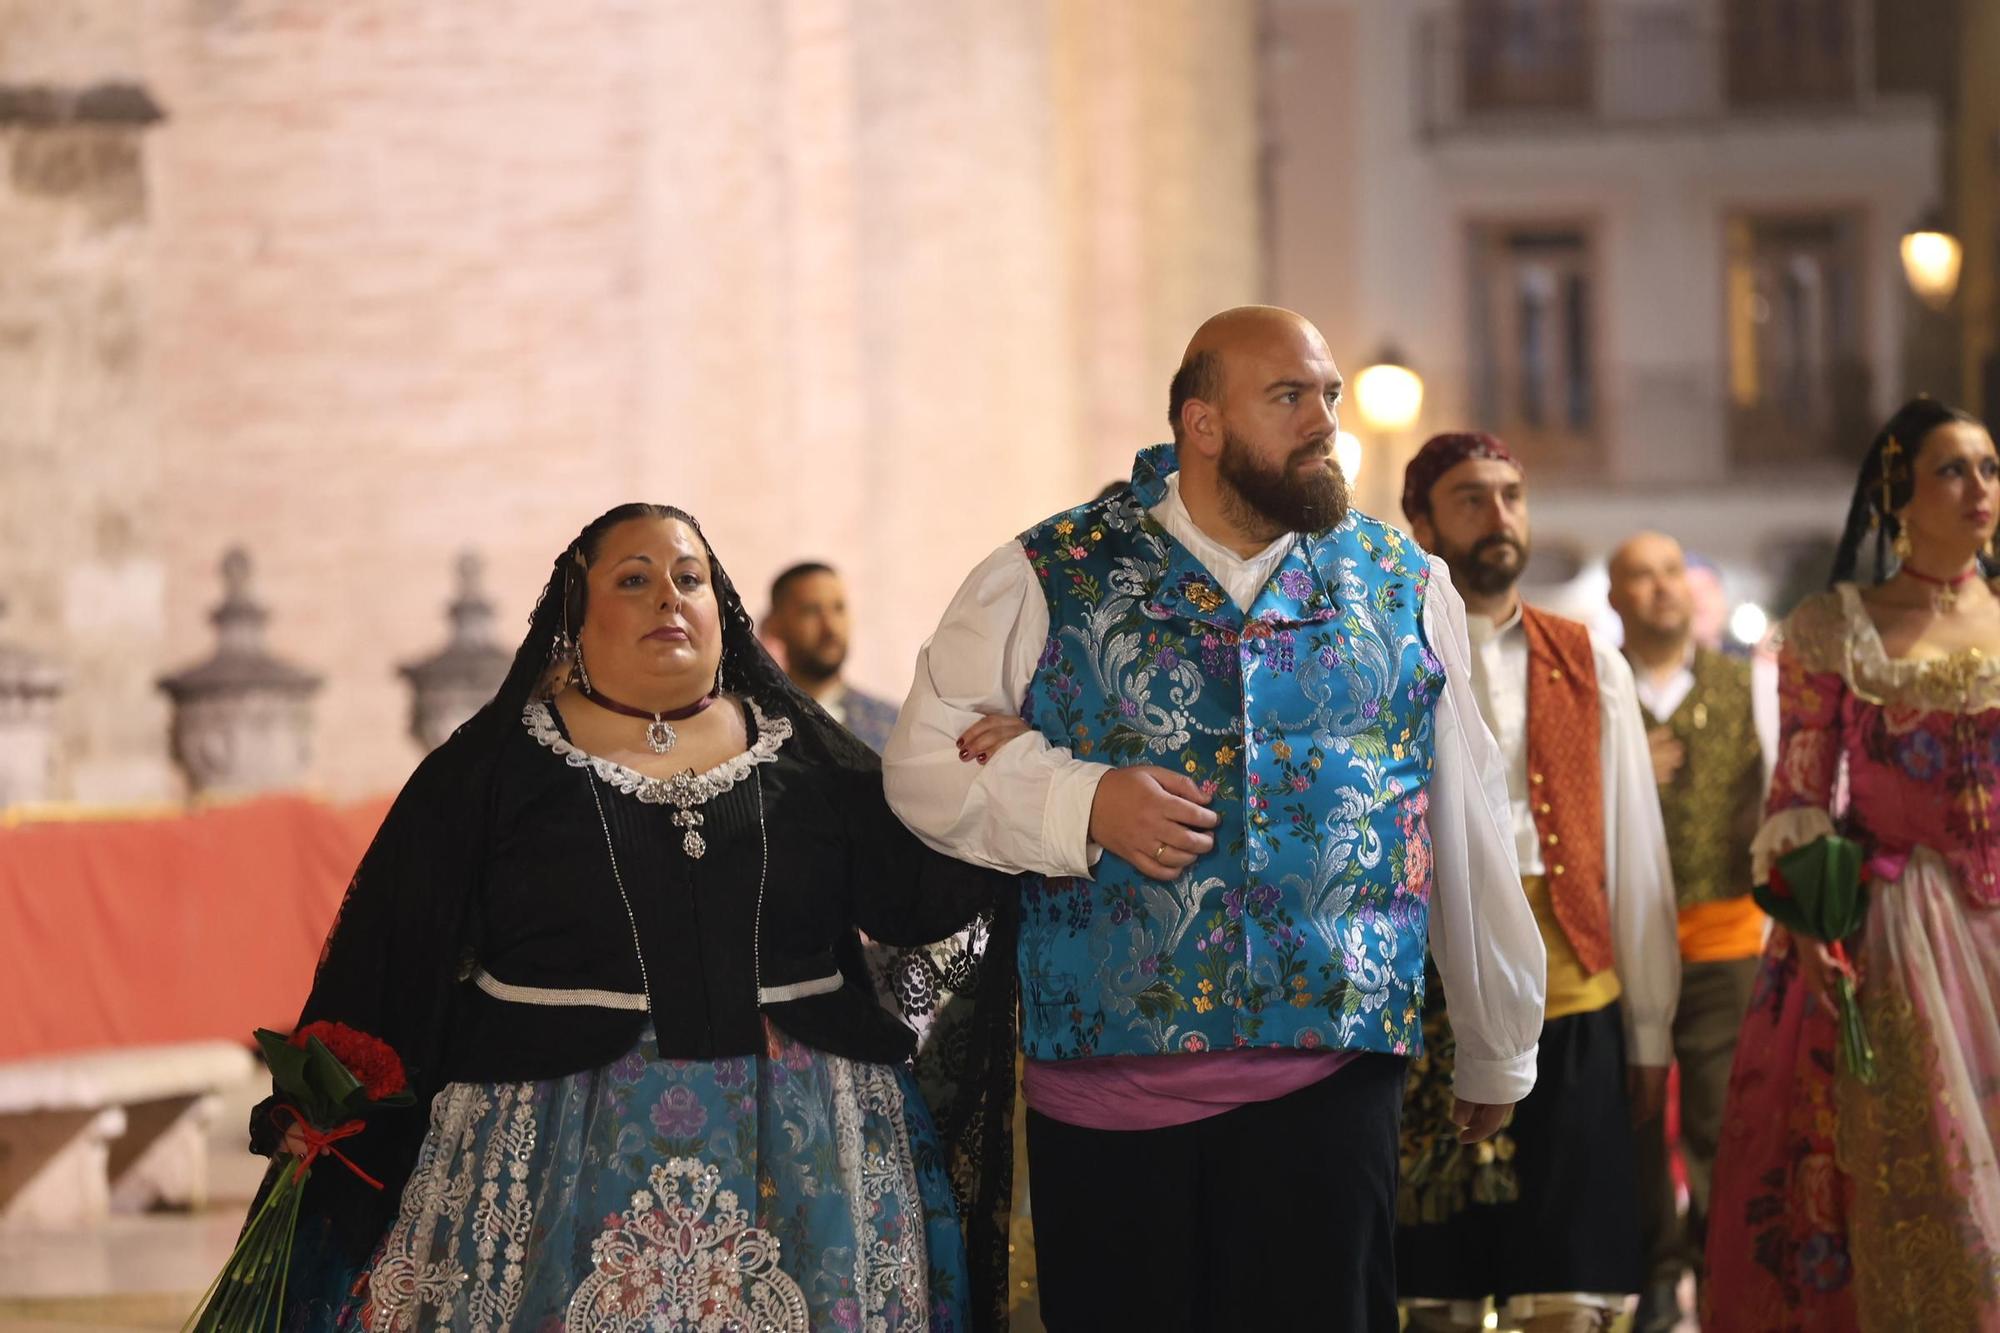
[1254, 790]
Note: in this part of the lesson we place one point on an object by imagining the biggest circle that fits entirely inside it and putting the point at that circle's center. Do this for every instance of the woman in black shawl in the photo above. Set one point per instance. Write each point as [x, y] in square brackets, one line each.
[610, 928]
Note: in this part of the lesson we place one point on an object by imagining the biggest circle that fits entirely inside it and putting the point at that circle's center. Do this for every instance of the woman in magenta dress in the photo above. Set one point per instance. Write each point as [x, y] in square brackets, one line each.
[1838, 1204]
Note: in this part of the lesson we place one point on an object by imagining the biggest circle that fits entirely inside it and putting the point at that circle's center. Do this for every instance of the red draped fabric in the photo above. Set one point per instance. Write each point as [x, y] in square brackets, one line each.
[126, 932]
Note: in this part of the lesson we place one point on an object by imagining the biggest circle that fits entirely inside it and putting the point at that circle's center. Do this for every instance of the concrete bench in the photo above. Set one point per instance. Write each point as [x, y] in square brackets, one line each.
[123, 1130]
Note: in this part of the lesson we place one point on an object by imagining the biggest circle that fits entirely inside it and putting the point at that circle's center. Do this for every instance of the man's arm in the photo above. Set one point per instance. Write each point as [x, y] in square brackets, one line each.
[1482, 931]
[1645, 934]
[1028, 807]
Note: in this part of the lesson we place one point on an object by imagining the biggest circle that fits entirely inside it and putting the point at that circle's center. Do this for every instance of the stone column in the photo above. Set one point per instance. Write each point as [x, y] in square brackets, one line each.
[80, 500]
[451, 684]
[242, 719]
[29, 689]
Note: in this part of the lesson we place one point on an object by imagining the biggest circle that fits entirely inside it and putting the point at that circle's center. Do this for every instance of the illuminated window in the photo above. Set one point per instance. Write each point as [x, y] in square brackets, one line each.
[1534, 320]
[1798, 381]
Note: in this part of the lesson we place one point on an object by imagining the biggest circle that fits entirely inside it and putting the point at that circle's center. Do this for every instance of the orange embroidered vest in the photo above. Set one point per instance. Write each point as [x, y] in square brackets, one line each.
[1566, 780]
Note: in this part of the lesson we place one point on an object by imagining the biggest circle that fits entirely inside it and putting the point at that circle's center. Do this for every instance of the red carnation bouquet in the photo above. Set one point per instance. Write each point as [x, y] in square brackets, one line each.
[328, 1077]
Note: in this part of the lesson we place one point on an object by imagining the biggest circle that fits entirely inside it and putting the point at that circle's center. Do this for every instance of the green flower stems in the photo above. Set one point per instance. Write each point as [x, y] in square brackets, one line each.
[248, 1296]
[1855, 1047]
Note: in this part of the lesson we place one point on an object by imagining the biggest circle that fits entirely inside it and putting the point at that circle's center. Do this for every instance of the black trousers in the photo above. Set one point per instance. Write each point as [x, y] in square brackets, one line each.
[1276, 1215]
[1575, 1227]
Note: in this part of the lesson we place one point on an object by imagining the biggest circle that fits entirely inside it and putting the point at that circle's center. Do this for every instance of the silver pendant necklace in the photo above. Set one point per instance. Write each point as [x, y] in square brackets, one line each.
[695, 850]
[660, 735]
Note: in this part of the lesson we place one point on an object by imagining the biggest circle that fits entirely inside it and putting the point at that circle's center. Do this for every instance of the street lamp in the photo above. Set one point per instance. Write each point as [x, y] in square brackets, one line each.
[1931, 259]
[1390, 397]
[1389, 394]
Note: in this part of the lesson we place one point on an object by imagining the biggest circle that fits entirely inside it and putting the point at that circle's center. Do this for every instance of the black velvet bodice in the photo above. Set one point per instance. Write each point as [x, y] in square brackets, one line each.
[690, 856]
[493, 860]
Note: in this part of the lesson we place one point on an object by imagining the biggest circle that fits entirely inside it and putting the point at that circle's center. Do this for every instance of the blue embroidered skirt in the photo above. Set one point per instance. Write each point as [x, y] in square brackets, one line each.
[789, 1191]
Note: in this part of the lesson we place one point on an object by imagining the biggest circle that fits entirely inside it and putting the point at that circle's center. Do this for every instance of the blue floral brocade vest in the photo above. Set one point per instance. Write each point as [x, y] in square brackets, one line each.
[1310, 721]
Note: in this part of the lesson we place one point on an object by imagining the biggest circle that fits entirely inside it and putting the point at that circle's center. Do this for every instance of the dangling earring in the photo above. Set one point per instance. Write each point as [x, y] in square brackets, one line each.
[565, 646]
[1901, 544]
[582, 676]
[560, 652]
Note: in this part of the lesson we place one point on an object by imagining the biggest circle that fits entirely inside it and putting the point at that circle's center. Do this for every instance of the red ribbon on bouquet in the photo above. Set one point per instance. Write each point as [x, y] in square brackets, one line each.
[320, 1141]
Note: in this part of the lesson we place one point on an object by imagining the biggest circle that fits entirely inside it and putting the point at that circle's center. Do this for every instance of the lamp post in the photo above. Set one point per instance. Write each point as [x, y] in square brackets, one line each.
[1931, 260]
[1390, 396]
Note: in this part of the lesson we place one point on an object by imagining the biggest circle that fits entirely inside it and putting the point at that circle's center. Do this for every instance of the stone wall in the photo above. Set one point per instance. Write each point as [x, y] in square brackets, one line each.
[866, 280]
[83, 560]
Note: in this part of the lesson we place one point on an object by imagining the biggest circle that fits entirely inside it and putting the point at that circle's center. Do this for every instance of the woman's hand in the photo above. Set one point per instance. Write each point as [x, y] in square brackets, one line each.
[1818, 968]
[1782, 846]
[983, 739]
[295, 1141]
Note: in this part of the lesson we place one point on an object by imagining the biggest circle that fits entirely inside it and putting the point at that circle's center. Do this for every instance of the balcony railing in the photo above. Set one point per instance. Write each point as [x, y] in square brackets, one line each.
[1683, 424]
[1527, 66]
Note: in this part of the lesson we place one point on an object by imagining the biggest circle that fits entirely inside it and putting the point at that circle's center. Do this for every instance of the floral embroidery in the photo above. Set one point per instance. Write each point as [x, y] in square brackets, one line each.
[1310, 914]
[679, 1113]
[1921, 757]
[1296, 584]
[1932, 1264]
[1840, 1204]
[887, 1266]
[1892, 725]
[684, 1255]
[408, 1291]
[814, 1194]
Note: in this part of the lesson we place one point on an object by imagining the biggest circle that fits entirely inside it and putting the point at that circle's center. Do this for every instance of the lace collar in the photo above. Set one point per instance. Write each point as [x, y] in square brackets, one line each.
[682, 790]
[1967, 681]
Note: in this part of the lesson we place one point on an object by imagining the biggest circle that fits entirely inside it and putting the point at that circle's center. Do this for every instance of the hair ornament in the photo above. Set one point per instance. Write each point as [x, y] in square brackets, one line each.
[1891, 451]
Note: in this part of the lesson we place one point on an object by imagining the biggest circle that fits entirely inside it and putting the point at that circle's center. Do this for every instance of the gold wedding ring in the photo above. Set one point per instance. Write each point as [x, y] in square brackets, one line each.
[1160, 853]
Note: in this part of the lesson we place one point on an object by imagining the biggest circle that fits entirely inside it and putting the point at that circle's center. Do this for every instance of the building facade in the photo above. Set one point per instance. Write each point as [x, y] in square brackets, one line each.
[1652, 243]
[360, 286]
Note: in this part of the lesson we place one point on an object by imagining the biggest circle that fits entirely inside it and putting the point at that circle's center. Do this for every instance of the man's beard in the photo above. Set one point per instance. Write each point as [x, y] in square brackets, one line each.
[817, 664]
[1313, 504]
[1674, 623]
[1472, 572]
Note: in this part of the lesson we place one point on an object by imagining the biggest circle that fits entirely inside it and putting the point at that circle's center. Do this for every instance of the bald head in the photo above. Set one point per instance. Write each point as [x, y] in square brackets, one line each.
[1649, 588]
[1225, 343]
[1254, 326]
[1253, 407]
[1643, 551]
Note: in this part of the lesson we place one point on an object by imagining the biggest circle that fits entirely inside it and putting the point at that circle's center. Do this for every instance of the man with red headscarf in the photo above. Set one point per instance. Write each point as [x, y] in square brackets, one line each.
[1544, 1219]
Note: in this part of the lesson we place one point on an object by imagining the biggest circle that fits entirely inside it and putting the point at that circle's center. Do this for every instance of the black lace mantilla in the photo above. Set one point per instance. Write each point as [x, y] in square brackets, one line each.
[959, 995]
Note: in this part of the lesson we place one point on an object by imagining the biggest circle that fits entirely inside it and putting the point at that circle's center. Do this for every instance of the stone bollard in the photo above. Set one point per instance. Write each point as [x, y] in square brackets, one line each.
[30, 687]
[243, 718]
[449, 686]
